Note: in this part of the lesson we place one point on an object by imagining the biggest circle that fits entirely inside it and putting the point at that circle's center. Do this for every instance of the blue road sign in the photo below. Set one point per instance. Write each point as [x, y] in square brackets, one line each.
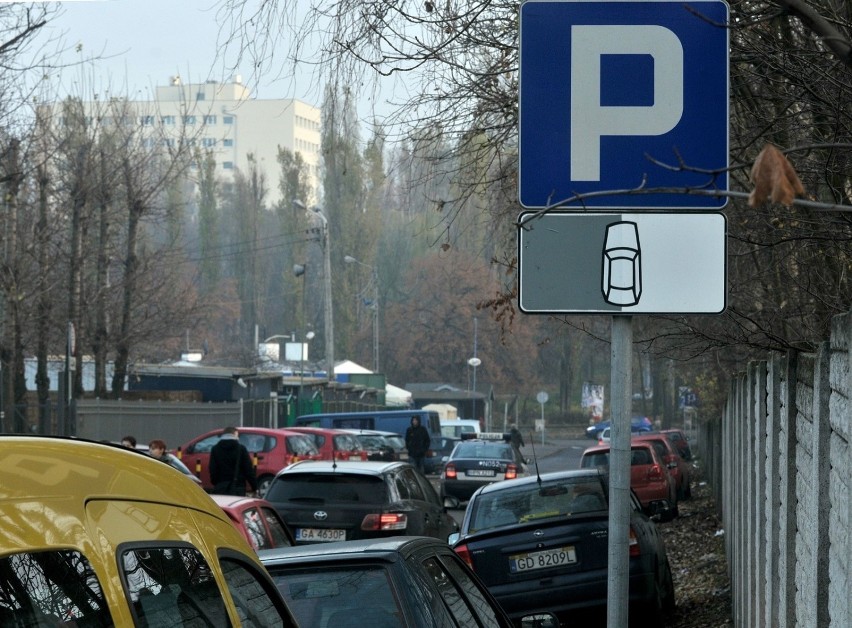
[606, 85]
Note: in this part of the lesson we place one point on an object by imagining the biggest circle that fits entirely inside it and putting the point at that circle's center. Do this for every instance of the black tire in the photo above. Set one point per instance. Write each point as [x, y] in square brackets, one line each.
[263, 483]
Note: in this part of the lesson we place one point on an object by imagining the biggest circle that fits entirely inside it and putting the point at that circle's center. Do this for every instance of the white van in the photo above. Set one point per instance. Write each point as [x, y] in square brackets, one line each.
[454, 428]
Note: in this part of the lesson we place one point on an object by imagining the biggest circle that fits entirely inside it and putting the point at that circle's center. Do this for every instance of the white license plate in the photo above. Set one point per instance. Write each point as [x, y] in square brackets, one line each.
[481, 473]
[542, 560]
[320, 534]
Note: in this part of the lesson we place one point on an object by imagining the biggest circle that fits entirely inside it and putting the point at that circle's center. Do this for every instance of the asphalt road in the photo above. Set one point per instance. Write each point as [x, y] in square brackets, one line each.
[552, 455]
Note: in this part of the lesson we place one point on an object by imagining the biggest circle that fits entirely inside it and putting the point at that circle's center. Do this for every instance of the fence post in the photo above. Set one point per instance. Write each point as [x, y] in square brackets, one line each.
[773, 490]
[761, 505]
[820, 475]
[787, 491]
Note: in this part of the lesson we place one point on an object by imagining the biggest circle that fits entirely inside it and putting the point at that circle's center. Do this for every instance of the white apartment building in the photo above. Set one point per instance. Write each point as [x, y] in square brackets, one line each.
[224, 119]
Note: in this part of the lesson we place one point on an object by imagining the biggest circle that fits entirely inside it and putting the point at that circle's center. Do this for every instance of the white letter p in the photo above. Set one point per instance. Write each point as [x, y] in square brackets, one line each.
[590, 120]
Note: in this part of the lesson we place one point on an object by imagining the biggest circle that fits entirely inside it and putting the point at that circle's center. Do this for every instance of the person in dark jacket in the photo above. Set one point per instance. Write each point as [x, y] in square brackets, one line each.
[230, 465]
[417, 443]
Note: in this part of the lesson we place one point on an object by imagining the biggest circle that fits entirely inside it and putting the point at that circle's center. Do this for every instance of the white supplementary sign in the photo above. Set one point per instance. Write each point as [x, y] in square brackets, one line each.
[623, 263]
[608, 87]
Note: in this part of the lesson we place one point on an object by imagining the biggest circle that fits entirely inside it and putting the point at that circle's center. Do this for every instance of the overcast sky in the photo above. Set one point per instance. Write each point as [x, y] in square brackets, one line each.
[145, 42]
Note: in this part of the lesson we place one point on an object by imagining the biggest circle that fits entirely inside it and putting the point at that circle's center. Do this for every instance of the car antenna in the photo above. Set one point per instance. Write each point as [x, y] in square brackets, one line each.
[535, 459]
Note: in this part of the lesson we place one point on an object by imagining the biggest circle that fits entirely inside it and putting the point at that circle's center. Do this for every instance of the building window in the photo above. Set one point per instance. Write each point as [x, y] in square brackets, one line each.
[227, 143]
[199, 96]
[209, 119]
[227, 119]
[189, 119]
[146, 120]
[228, 165]
[208, 142]
[168, 119]
[169, 142]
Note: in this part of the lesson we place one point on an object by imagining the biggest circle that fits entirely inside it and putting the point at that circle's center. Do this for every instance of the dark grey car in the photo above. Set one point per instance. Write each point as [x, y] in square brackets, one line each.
[382, 583]
[325, 501]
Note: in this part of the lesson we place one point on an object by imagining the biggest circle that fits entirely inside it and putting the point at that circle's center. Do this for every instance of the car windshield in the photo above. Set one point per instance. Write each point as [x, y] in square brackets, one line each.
[340, 597]
[529, 502]
[301, 445]
[347, 442]
[326, 487]
[474, 449]
[395, 441]
[368, 441]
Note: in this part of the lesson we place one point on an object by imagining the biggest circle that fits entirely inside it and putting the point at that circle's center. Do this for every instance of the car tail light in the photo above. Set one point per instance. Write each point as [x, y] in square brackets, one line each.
[511, 472]
[655, 473]
[633, 543]
[464, 554]
[385, 521]
[450, 472]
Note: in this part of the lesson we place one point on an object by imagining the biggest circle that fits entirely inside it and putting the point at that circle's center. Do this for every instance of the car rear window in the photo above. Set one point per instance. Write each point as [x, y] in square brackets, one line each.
[531, 502]
[301, 445]
[638, 457]
[483, 450]
[338, 487]
[357, 596]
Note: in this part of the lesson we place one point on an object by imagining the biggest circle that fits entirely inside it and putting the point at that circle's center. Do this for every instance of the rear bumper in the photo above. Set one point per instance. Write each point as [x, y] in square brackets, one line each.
[462, 489]
[560, 595]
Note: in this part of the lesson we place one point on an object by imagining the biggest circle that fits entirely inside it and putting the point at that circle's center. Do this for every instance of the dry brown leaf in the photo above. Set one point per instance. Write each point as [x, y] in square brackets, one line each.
[774, 178]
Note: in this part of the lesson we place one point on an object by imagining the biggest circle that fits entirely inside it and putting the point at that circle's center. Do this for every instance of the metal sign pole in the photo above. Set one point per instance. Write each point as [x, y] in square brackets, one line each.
[619, 472]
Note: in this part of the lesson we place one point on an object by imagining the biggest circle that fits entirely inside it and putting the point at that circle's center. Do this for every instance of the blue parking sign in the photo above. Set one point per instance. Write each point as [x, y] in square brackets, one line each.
[609, 89]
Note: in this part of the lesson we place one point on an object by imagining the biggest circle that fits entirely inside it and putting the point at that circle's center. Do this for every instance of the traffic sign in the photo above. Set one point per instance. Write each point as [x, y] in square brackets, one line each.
[606, 85]
[622, 263]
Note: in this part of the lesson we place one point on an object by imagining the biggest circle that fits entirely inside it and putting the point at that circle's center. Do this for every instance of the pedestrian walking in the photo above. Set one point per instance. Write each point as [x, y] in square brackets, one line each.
[417, 443]
[230, 465]
[129, 442]
[517, 440]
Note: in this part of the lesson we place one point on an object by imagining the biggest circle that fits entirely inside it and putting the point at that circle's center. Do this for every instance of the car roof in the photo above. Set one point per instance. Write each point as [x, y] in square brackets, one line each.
[369, 432]
[544, 477]
[389, 548]
[633, 445]
[51, 468]
[362, 467]
[234, 501]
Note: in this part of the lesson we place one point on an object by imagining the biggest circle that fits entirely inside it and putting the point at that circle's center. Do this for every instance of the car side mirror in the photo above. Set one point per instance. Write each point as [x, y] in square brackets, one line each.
[453, 538]
[451, 502]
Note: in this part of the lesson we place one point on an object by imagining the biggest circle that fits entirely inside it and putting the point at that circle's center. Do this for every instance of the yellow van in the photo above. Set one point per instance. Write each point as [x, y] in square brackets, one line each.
[95, 535]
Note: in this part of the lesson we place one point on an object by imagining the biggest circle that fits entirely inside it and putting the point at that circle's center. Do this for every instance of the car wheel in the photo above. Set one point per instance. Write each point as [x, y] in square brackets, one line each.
[653, 611]
[263, 483]
[668, 600]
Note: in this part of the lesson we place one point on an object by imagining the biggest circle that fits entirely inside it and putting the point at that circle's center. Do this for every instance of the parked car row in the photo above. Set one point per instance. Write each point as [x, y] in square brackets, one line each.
[349, 541]
[274, 449]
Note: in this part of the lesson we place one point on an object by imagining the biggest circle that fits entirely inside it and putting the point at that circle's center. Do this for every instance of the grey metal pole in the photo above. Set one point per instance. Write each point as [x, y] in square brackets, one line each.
[619, 472]
[376, 321]
[329, 314]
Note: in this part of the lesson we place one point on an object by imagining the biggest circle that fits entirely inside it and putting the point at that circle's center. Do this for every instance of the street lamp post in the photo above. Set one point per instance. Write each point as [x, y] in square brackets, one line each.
[374, 276]
[328, 310]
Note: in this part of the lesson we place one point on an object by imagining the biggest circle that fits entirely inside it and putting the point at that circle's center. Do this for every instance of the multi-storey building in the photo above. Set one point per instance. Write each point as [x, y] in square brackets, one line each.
[223, 119]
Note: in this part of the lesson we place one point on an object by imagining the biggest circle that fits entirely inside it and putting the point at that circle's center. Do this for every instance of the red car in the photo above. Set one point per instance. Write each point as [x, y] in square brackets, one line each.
[257, 520]
[676, 465]
[334, 444]
[680, 441]
[271, 450]
[649, 477]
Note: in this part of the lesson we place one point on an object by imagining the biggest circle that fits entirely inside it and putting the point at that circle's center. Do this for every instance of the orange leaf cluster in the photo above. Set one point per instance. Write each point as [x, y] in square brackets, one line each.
[774, 178]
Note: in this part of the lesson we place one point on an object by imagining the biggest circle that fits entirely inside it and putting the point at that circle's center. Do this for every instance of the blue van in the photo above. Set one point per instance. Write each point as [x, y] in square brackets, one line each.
[396, 421]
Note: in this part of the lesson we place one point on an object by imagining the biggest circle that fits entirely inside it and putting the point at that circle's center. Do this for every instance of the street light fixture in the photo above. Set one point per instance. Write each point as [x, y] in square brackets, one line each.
[374, 275]
[328, 309]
